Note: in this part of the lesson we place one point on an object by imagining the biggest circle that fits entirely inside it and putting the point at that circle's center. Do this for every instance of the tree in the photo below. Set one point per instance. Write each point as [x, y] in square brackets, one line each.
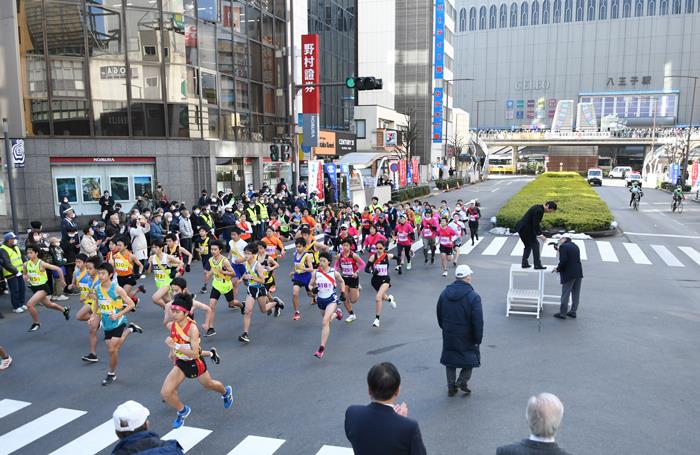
[410, 131]
[457, 142]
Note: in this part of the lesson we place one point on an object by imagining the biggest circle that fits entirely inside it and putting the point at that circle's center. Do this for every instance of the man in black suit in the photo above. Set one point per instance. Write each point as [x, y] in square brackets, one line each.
[571, 274]
[382, 427]
[529, 230]
[544, 413]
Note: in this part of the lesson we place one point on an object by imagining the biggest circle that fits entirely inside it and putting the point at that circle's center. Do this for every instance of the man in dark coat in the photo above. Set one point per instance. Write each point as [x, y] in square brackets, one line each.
[571, 274]
[529, 230]
[131, 425]
[460, 317]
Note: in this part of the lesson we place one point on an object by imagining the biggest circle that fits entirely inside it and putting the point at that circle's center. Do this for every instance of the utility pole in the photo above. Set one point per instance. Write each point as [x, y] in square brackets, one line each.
[10, 178]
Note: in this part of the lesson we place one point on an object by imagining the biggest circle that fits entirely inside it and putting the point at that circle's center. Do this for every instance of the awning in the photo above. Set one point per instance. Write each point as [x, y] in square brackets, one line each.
[361, 160]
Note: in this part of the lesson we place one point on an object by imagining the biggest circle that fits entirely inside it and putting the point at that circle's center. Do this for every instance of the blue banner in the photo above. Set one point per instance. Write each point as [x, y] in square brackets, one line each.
[345, 168]
[332, 171]
[674, 172]
[439, 38]
[437, 115]
[409, 173]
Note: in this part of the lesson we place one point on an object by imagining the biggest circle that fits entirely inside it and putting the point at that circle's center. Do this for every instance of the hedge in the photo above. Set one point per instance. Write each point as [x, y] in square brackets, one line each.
[410, 192]
[668, 186]
[579, 208]
[442, 184]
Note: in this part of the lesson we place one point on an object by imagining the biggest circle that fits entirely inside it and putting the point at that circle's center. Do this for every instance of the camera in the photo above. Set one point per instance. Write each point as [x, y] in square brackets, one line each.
[555, 245]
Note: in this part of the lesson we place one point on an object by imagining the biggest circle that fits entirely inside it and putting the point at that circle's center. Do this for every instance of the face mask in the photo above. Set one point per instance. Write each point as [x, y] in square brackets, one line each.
[196, 212]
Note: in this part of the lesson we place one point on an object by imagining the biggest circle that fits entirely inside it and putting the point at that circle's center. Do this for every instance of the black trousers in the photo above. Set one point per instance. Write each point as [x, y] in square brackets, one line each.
[531, 245]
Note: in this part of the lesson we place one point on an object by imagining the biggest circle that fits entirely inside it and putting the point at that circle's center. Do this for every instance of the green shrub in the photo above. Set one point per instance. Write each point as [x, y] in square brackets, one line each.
[442, 184]
[410, 192]
[579, 206]
[670, 187]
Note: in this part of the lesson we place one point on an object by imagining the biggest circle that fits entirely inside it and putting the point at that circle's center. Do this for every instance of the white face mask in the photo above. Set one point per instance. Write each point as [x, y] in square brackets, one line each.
[196, 212]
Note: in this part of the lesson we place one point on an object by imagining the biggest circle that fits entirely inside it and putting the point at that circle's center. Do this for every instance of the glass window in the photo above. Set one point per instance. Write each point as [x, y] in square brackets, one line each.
[147, 119]
[524, 14]
[207, 10]
[211, 121]
[492, 16]
[209, 92]
[513, 15]
[143, 35]
[545, 11]
[64, 28]
[603, 11]
[111, 118]
[361, 129]
[256, 103]
[614, 9]
[242, 96]
[556, 14]
[190, 41]
[579, 10]
[70, 118]
[269, 100]
[192, 82]
[143, 185]
[238, 20]
[689, 6]
[190, 10]
[535, 13]
[462, 20]
[591, 10]
[240, 57]
[243, 126]
[228, 119]
[176, 83]
[207, 46]
[663, 8]
[228, 91]
[35, 83]
[91, 188]
[280, 34]
[255, 61]
[39, 112]
[639, 8]
[119, 188]
[676, 9]
[567, 11]
[268, 65]
[267, 30]
[280, 9]
[627, 8]
[224, 47]
[175, 50]
[67, 186]
[503, 16]
[67, 77]
[253, 23]
[482, 18]
[651, 8]
[31, 30]
[146, 82]
[178, 120]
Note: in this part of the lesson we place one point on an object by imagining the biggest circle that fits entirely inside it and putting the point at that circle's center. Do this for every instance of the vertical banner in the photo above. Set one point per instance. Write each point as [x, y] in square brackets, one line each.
[313, 177]
[17, 148]
[437, 115]
[402, 172]
[694, 173]
[332, 171]
[310, 95]
[674, 171]
[409, 171]
[416, 172]
[439, 38]
[345, 168]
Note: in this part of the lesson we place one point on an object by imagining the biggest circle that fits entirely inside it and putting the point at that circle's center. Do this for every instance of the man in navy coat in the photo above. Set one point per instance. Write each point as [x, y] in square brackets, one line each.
[571, 274]
[460, 317]
[529, 230]
[383, 427]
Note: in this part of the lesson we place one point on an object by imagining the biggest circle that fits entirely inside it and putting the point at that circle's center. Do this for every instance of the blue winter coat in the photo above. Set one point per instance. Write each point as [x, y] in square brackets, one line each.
[147, 442]
[460, 317]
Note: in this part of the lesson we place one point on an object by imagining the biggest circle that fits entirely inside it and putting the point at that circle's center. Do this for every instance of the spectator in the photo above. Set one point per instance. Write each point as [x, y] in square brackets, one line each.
[131, 425]
[65, 205]
[157, 234]
[161, 197]
[203, 199]
[106, 205]
[571, 274]
[58, 259]
[186, 230]
[68, 222]
[281, 186]
[70, 244]
[12, 259]
[441, 171]
[121, 215]
[137, 231]
[543, 413]
[383, 427]
[451, 172]
[530, 231]
[460, 317]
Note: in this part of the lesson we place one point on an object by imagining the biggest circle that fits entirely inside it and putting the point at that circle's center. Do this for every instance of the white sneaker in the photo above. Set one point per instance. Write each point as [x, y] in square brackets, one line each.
[24, 307]
[444, 273]
[408, 266]
[4, 363]
[392, 301]
[18, 310]
[350, 318]
[61, 297]
[375, 323]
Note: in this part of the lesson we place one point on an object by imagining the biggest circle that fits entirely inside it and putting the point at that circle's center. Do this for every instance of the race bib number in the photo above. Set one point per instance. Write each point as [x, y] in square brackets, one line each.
[346, 269]
[403, 237]
[445, 241]
[34, 279]
[473, 218]
[160, 274]
[427, 233]
[271, 249]
[382, 269]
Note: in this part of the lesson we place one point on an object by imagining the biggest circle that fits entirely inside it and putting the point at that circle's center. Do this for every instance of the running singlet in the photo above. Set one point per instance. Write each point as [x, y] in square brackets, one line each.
[37, 277]
[85, 283]
[325, 283]
[161, 270]
[109, 303]
[122, 264]
[311, 249]
[204, 246]
[270, 247]
[446, 235]
[299, 273]
[220, 282]
[426, 229]
[403, 232]
[381, 266]
[252, 270]
[179, 336]
[348, 265]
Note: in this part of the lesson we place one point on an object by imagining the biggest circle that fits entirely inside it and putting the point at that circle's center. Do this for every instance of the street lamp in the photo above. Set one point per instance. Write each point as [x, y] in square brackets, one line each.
[690, 125]
[477, 113]
[447, 97]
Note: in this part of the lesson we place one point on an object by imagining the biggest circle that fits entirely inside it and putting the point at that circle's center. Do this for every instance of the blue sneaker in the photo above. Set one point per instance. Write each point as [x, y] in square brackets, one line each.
[181, 416]
[228, 397]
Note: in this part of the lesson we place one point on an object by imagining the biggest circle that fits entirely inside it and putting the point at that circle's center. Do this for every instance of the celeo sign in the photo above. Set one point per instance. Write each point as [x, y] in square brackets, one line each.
[310, 97]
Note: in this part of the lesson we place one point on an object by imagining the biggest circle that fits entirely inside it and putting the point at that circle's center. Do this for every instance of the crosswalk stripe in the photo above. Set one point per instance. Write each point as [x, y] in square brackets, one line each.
[667, 256]
[188, 437]
[691, 253]
[468, 247]
[257, 445]
[495, 246]
[8, 406]
[582, 249]
[334, 450]
[518, 249]
[607, 253]
[37, 428]
[636, 253]
[548, 251]
[417, 245]
[91, 442]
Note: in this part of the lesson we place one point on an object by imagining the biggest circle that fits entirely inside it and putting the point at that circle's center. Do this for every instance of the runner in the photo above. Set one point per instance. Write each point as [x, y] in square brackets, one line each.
[381, 282]
[5, 359]
[161, 264]
[201, 245]
[173, 248]
[179, 286]
[447, 237]
[84, 278]
[371, 240]
[123, 263]
[273, 245]
[269, 265]
[350, 264]
[184, 341]
[312, 246]
[114, 302]
[473, 214]
[237, 259]
[254, 278]
[324, 283]
[428, 228]
[301, 274]
[34, 271]
[460, 228]
[404, 238]
[220, 269]
[344, 235]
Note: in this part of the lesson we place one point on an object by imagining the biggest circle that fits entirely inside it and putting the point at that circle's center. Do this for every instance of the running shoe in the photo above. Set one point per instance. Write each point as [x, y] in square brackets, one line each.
[454, 263]
[135, 328]
[444, 273]
[339, 314]
[181, 416]
[244, 338]
[60, 298]
[279, 301]
[359, 287]
[277, 311]
[426, 259]
[66, 312]
[90, 358]
[408, 266]
[35, 326]
[24, 307]
[111, 377]
[320, 353]
[376, 322]
[399, 269]
[350, 318]
[210, 332]
[392, 301]
[203, 290]
[142, 289]
[142, 276]
[297, 316]
[215, 356]
[4, 363]
[432, 259]
[18, 310]
[228, 397]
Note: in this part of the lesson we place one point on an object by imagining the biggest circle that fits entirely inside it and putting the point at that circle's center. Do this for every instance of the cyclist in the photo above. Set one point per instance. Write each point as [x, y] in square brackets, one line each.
[635, 191]
[677, 196]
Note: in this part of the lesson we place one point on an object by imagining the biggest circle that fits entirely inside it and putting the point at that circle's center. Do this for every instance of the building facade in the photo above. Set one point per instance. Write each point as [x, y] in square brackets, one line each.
[616, 54]
[116, 95]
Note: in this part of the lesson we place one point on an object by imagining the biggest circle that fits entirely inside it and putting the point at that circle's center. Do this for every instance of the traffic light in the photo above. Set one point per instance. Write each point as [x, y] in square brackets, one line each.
[364, 83]
[284, 152]
[274, 152]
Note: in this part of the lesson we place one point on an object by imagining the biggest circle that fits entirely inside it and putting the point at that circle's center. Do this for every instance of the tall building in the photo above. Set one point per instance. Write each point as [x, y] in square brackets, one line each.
[116, 95]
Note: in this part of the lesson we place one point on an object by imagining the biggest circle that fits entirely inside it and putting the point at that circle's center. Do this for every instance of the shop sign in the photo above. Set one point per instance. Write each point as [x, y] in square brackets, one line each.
[390, 138]
[439, 39]
[326, 144]
[115, 72]
[18, 156]
[345, 143]
[101, 159]
[623, 81]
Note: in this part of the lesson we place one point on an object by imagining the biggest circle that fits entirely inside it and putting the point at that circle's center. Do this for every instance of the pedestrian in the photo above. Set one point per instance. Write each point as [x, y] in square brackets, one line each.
[88, 244]
[12, 260]
[543, 413]
[441, 172]
[383, 427]
[461, 320]
[571, 274]
[65, 205]
[530, 231]
[451, 172]
[131, 425]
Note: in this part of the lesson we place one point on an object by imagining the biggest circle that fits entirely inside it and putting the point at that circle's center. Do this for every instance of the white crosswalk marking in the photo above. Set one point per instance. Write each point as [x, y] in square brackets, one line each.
[495, 246]
[334, 450]
[548, 251]
[667, 256]
[188, 437]
[468, 247]
[636, 254]
[607, 253]
[37, 428]
[691, 253]
[582, 249]
[8, 406]
[257, 445]
[91, 442]
[518, 249]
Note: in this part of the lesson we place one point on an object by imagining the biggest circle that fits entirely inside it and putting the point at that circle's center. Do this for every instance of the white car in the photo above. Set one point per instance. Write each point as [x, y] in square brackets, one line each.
[633, 177]
[619, 172]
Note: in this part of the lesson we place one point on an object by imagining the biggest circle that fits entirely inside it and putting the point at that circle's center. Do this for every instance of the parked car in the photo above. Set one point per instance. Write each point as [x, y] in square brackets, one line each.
[619, 172]
[595, 176]
[633, 177]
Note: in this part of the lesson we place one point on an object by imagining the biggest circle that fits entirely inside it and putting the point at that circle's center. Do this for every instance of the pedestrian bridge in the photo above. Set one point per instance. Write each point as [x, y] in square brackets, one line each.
[580, 138]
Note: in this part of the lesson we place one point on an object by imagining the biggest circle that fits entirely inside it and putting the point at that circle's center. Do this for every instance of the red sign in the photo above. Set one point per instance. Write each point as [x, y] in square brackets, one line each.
[414, 170]
[310, 74]
[694, 173]
[402, 172]
[101, 159]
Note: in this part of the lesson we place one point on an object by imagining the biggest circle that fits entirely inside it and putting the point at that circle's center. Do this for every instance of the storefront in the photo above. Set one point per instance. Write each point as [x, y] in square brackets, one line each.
[84, 179]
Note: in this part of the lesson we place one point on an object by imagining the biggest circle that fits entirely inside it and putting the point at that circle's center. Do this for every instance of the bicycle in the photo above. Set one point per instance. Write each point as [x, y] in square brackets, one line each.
[677, 205]
[635, 202]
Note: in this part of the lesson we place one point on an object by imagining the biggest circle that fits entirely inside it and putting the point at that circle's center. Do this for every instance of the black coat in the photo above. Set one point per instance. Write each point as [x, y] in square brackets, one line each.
[529, 225]
[376, 429]
[528, 447]
[460, 317]
[569, 266]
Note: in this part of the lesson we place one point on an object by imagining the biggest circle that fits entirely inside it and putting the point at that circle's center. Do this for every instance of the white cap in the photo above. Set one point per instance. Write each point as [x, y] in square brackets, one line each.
[129, 416]
[463, 271]
[566, 235]
[473, 201]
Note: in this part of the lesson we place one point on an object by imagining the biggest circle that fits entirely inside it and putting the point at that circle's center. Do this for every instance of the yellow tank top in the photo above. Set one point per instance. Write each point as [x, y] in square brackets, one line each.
[37, 277]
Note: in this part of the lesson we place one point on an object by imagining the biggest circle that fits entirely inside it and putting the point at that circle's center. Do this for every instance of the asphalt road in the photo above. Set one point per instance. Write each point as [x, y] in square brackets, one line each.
[626, 368]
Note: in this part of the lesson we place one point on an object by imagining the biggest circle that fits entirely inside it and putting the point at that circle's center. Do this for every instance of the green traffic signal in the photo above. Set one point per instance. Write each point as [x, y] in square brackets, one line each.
[350, 82]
